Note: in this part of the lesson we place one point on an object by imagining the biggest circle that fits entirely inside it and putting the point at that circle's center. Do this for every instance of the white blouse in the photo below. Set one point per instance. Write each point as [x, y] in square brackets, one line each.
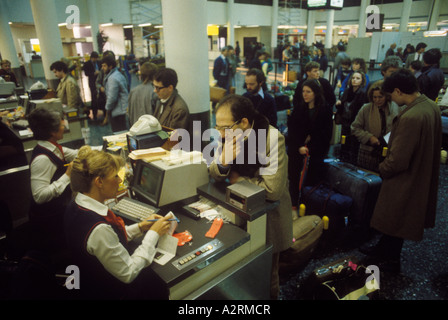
[43, 169]
[104, 244]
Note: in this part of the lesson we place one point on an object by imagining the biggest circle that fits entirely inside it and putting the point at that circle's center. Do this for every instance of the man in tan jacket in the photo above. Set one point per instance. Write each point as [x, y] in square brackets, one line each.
[68, 90]
[266, 167]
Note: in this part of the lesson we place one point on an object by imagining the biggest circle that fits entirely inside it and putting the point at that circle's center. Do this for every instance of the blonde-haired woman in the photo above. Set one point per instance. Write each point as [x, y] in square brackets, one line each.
[100, 242]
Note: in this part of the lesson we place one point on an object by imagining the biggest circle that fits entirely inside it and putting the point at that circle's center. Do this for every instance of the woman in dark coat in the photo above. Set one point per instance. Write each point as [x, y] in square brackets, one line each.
[352, 100]
[310, 130]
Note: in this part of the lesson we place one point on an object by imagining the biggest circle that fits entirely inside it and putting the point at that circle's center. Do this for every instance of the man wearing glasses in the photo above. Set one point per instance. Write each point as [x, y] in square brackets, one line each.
[171, 110]
[263, 163]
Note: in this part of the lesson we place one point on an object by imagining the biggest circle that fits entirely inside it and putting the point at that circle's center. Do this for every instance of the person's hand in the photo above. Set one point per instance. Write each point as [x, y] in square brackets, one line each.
[69, 168]
[374, 141]
[231, 149]
[162, 225]
[102, 89]
[146, 225]
[339, 84]
[303, 150]
[233, 177]
[338, 103]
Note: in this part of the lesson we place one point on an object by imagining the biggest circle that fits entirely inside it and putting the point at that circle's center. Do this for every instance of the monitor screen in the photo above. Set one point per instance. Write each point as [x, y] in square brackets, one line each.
[132, 143]
[147, 183]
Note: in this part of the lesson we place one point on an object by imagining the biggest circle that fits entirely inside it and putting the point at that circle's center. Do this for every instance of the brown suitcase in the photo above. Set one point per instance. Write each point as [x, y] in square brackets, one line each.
[307, 231]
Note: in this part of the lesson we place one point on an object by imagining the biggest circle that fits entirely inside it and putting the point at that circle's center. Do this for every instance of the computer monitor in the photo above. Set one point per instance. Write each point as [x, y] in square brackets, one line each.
[146, 141]
[7, 89]
[158, 183]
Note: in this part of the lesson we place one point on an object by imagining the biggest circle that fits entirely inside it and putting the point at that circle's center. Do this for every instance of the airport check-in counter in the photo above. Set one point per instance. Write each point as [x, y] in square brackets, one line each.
[235, 265]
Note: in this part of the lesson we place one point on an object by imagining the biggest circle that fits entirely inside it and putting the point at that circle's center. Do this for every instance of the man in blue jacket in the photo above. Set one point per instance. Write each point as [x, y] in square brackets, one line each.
[116, 95]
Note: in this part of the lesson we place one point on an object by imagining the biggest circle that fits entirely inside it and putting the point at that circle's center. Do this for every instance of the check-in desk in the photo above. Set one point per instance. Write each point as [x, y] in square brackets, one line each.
[234, 265]
[73, 133]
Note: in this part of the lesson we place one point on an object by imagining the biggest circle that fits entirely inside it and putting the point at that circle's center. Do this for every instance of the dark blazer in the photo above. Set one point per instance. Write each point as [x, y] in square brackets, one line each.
[349, 108]
[431, 81]
[266, 106]
[89, 70]
[221, 72]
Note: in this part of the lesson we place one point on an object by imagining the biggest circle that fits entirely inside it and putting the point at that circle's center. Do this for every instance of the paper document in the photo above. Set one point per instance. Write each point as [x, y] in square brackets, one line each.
[386, 137]
[166, 249]
[167, 246]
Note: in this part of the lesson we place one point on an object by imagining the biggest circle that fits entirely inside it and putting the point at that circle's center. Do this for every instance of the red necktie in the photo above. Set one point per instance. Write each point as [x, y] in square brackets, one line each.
[59, 147]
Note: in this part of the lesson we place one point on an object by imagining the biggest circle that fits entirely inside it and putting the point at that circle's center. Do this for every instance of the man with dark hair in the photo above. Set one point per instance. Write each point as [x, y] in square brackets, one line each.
[171, 109]
[407, 201]
[237, 118]
[431, 79]
[91, 69]
[263, 102]
[312, 73]
[68, 90]
[116, 90]
[418, 55]
[221, 69]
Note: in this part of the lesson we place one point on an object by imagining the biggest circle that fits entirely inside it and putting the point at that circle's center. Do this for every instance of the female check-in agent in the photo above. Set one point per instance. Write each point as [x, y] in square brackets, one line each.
[50, 178]
[99, 240]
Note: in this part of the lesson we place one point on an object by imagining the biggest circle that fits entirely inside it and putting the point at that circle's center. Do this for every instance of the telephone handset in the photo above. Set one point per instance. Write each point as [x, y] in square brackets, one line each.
[145, 124]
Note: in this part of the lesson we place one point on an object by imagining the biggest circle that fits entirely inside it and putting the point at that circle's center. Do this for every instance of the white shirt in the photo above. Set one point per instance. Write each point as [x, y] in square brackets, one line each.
[103, 243]
[43, 169]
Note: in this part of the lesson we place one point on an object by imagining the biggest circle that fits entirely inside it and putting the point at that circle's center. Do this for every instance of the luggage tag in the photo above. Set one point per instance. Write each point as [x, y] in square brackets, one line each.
[183, 238]
[214, 229]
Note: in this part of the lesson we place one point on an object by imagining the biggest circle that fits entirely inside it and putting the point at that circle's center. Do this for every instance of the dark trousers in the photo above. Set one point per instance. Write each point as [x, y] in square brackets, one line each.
[390, 247]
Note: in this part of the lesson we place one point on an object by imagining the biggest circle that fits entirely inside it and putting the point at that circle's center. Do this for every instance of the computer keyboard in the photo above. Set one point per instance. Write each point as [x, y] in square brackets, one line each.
[133, 210]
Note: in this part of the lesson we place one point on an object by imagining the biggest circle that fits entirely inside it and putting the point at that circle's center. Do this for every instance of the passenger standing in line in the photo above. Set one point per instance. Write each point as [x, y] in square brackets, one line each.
[142, 99]
[233, 61]
[418, 55]
[432, 78]
[91, 69]
[372, 123]
[407, 202]
[357, 64]
[68, 90]
[171, 109]
[310, 130]
[322, 59]
[236, 117]
[312, 73]
[116, 95]
[347, 107]
[263, 102]
[221, 70]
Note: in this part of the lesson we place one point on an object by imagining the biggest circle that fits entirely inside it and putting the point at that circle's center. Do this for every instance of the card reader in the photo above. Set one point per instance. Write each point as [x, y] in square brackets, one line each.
[245, 196]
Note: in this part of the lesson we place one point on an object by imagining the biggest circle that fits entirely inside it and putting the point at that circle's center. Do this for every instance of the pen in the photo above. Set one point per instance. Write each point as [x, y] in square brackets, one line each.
[154, 220]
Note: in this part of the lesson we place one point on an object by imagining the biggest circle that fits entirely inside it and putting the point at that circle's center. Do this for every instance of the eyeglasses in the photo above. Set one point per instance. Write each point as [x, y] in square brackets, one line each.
[157, 88]
[223, 128]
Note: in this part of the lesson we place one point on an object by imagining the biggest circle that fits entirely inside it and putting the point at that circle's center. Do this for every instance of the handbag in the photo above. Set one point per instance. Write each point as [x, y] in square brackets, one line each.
[343, 279]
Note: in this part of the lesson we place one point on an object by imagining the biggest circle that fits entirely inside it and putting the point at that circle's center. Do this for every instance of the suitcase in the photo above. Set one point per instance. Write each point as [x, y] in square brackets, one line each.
[322, 200]
[307, 231]
[362, 186]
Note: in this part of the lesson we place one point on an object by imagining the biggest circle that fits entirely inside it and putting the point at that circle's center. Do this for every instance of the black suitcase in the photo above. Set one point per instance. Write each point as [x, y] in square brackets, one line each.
[362, 186]
[282, 101]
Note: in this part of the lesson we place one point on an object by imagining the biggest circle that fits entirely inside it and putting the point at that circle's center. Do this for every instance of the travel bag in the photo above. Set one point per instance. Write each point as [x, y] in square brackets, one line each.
[323, 200]
[307, 231]
[360, 185]
[342, 279]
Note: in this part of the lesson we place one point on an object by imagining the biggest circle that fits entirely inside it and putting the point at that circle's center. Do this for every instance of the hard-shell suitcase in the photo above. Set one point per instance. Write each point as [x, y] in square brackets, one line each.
[362, 186]
[307, 231]
[322, 200]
